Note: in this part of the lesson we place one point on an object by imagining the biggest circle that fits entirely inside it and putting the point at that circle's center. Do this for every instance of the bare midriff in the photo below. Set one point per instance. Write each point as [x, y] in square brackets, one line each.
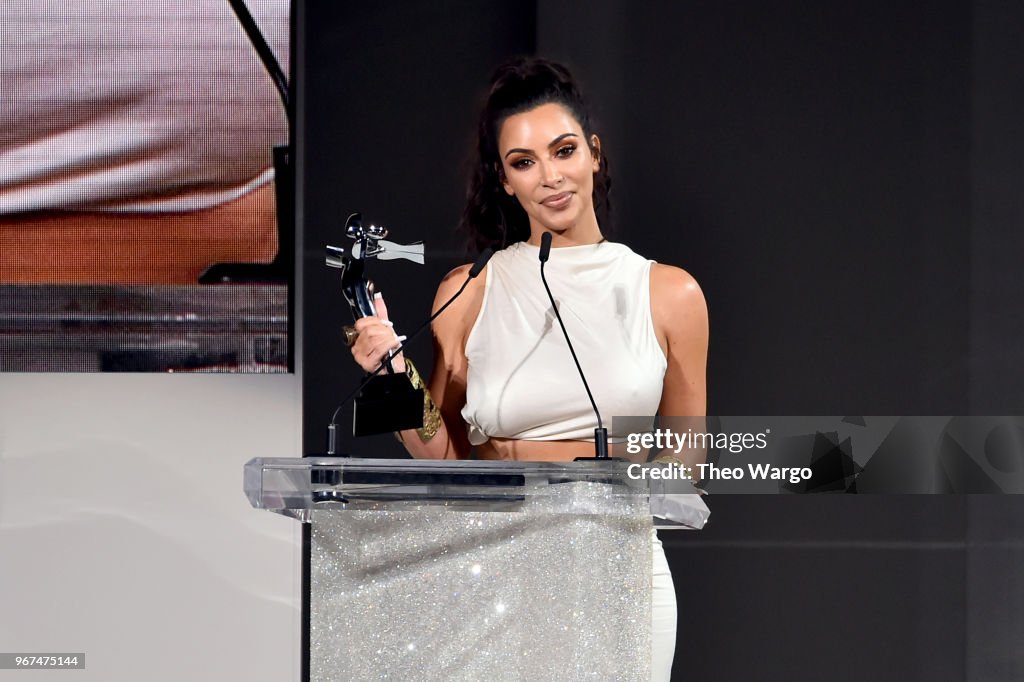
[47, 247]
[539, 450]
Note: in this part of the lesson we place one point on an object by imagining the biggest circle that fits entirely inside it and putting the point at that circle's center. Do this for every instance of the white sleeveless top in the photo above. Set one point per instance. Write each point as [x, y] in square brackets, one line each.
[522, 382]
[146, 106]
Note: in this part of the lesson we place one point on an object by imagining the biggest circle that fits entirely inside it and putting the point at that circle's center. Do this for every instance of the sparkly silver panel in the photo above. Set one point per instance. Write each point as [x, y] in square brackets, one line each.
[533, 595]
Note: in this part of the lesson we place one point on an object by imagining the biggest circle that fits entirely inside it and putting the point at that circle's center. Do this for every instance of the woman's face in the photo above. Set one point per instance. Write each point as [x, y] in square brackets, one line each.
[547, 165]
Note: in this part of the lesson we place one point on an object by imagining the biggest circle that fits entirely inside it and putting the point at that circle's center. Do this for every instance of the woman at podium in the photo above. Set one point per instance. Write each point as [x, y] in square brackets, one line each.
[503, 380]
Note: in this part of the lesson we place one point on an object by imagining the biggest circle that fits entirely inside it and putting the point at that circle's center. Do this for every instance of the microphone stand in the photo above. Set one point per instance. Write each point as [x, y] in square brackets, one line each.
[600, 433]
[281, 269]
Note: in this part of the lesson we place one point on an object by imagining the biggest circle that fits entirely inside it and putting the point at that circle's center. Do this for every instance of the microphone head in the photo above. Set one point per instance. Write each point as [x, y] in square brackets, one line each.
[545, 247]
[481, 261]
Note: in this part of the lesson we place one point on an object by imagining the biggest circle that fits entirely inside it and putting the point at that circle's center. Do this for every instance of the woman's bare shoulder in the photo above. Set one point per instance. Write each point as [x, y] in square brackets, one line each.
[456, 321]
[676, 289]
[452, 281]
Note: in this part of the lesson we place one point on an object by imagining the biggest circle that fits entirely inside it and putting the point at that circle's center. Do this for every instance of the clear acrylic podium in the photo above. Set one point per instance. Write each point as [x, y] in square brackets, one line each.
[476, 570]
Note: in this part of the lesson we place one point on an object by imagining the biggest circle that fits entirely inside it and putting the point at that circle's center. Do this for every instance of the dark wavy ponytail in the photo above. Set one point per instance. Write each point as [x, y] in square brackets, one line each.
[491, 217]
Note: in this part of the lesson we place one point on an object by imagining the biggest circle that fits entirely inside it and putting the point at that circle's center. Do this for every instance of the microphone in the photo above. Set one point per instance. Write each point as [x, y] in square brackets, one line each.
[478, 266]
[600, 433]
[545, 252]
[475, 270]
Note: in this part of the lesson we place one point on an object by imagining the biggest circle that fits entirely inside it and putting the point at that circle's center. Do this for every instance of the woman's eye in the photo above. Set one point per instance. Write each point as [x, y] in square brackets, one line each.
[567, 150]
[520, 164]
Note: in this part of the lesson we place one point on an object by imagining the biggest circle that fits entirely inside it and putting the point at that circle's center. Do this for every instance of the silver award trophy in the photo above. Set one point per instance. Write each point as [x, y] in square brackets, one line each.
[388, 402]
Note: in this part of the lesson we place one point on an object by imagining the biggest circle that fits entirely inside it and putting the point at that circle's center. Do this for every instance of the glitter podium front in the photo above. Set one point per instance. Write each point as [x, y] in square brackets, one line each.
[469, 570]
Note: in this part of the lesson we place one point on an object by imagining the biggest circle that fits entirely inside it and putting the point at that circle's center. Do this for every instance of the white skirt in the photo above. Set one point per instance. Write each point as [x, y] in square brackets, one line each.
[663, 612]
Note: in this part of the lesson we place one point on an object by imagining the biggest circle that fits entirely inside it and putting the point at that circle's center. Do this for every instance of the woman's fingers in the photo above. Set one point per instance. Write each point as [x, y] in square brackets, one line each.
[376, 339]
[398, 362]
[368, 322]
[382, 308]
[377, 349]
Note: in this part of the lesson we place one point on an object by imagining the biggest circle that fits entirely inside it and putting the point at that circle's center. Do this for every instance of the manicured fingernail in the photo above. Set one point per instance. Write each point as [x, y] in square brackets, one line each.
[377, 295]
[401, 338]
[389, 323]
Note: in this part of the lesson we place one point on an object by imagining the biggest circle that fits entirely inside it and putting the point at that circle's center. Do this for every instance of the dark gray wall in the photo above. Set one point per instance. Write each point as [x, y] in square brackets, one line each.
[842, 179]
[996, 361]
[810, 166]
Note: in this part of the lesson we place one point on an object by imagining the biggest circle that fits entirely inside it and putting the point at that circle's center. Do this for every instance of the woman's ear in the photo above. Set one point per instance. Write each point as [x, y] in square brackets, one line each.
[504, 182]
[501, 178]
[595, 151]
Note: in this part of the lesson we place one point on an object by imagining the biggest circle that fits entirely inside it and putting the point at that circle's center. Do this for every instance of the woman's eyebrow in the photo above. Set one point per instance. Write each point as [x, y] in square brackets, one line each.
[550, 144]
[560, 138]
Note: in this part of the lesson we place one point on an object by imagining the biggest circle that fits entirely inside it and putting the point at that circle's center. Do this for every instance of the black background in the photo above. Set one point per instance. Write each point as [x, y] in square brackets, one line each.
[844, 181]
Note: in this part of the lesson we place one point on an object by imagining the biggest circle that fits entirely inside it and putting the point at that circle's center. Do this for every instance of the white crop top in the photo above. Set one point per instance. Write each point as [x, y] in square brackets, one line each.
[521, 380]
[151, 106]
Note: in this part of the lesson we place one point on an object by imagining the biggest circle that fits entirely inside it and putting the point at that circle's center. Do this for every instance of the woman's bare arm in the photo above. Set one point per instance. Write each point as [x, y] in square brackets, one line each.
[448, 378]
[681, 322]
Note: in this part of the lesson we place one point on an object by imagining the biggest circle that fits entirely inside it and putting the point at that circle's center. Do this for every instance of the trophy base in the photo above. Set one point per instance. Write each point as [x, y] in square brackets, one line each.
[388, 403]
